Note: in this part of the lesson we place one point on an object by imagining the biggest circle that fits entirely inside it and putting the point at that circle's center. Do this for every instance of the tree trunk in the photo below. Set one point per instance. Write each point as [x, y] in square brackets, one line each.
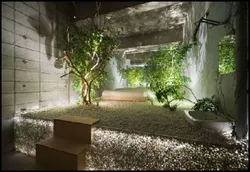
[89, 92]
[85, 93]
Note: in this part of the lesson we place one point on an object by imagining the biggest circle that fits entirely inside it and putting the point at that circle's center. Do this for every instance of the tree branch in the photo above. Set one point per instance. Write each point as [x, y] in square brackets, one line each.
[92, 59]
[95, 67]
[98, 74]
[65, 74]
[189, 100]
[70, 73]
[98, 59]
[191, 91]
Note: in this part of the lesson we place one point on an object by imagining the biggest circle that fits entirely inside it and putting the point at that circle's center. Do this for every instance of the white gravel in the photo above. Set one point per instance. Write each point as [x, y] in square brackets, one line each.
[112, 150]
[137, 116]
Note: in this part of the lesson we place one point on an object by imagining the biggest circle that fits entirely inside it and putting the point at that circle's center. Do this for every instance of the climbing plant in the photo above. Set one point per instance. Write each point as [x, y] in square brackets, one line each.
[227, 54]
[134, 76]
[86, 53]
[164, 72]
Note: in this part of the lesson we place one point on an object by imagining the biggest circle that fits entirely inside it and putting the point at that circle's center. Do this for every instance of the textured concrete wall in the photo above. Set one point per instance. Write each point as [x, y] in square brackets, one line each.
[203, 57]
[115, 78]
[29, 49]
[226, 92]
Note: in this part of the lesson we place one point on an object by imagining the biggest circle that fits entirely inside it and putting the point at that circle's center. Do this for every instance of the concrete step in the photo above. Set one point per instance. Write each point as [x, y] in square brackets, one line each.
[60, 154]
[74, 128]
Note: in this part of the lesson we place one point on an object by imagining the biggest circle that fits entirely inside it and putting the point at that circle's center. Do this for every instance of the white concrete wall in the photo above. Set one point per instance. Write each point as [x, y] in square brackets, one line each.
[29, 49]
[115, 78]
[226, 86]
[203, 57]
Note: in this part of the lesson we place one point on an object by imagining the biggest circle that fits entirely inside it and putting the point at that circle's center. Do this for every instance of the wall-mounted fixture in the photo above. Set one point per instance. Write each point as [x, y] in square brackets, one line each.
[209, 22]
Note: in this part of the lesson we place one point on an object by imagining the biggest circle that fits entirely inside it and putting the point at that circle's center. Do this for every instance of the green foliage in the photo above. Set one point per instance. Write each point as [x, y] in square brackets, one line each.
[206, 104]
[87, 44]
[227, 55]
[97, 84]
[134, 75]
[164, 72]
[89, 52]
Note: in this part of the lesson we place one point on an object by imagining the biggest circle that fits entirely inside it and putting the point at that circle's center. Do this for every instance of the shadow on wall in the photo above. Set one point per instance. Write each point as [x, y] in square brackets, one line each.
[47, 29]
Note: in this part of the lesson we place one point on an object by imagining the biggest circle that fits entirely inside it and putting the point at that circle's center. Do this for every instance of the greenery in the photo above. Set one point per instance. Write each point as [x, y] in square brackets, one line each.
[227, 55]
[134, 76]
[86, 53]
[206, 104]
[164, 72]
[98, 83]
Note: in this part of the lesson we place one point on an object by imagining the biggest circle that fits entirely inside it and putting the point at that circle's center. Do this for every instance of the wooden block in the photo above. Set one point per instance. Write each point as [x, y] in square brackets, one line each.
[59, 154]
[74, 128]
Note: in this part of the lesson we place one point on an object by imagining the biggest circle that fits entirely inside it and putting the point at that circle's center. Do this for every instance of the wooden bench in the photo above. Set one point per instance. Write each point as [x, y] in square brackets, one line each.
[66, 150]
[74, 128]
[59, 154]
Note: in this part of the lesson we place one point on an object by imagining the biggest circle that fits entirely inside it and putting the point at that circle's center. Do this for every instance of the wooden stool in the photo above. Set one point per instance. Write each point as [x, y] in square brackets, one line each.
[74, 128]
[59, 154]
[67, 149]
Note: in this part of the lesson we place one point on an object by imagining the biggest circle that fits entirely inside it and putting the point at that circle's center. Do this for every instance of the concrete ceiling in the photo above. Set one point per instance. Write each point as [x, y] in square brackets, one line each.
[145, 25]
[83, 10]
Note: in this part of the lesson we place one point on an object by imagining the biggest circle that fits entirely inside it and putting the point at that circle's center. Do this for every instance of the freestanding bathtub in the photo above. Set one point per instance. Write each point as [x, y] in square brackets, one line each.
[128, 94]
[209, 120]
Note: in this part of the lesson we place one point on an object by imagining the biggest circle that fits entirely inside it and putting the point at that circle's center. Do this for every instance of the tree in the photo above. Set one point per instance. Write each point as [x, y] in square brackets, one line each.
[164, 72]
[86, 53]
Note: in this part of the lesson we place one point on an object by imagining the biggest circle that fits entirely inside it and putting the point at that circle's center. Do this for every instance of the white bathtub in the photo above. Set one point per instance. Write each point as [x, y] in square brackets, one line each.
[128, 94]
[209, 120]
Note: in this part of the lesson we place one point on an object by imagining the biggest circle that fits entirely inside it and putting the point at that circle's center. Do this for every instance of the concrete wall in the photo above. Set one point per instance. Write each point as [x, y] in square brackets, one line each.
[115, 78]
[203, 57]
[226, 92]
[30, 79]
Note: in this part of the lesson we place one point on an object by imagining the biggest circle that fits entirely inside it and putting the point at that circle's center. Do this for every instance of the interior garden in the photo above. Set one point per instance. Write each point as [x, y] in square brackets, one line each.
[165, 104]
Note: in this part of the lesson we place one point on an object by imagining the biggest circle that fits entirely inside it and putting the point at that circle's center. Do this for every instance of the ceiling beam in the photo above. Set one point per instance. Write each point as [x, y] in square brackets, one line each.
[153, 38]
[87, 9]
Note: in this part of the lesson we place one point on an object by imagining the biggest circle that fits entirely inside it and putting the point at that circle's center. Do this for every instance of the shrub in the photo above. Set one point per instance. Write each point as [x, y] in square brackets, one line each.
[164, 72]
[206, 104]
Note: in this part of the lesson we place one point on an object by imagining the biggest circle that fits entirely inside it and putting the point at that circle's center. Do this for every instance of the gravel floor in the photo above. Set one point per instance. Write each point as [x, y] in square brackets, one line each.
[137, 116]
[112, 150]
[116, 150]
[120, 150]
